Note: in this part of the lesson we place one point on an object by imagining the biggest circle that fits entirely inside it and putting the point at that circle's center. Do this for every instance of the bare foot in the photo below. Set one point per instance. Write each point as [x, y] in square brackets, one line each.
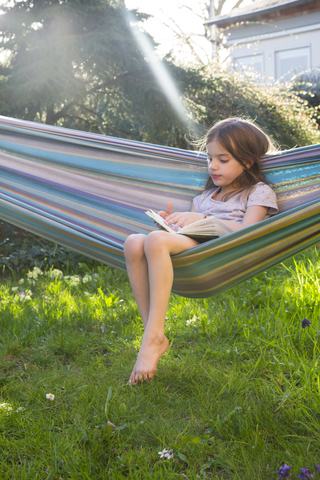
[148, 358]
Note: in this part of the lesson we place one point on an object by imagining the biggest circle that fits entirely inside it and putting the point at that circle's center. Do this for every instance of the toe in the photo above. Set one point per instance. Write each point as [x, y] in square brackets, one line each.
[131, 379]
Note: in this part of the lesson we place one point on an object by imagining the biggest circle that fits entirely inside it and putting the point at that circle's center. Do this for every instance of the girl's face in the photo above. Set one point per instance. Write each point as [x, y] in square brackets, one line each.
[223, 168]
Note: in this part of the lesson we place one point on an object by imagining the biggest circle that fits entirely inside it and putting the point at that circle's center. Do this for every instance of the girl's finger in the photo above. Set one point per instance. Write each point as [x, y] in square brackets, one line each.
[171, 219]
[162, 214]
[179, 223]
[178, 220]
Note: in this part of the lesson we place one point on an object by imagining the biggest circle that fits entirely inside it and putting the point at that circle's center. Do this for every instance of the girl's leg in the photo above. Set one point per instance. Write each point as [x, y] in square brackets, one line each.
[137, 268]
[158, 247]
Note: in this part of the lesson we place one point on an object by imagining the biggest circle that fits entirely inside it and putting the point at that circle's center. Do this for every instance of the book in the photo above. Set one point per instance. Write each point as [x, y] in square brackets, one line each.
[210, 227]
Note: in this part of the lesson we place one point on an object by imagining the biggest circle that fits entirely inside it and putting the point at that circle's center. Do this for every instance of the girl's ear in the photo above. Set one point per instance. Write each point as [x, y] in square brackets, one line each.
[249, 164]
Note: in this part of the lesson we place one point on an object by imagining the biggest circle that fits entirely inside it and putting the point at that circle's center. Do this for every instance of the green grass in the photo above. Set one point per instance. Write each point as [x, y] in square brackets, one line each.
[236, 396]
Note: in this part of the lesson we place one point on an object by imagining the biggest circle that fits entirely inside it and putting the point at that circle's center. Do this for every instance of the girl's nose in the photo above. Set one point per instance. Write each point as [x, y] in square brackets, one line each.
[213, 165]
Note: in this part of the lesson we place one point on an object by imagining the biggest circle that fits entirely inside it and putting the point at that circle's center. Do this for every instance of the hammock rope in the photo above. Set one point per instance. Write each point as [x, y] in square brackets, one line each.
[89, 192]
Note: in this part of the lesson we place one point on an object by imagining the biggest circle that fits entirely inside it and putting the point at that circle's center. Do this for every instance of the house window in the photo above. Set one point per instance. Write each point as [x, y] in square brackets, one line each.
[249, 62]
[291, 62]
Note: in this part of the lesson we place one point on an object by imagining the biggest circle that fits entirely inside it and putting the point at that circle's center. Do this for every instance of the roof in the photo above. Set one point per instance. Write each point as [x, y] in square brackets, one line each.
[257, 9]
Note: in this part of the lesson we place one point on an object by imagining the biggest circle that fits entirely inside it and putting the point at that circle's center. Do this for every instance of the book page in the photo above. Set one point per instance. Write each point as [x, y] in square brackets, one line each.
[160, 221]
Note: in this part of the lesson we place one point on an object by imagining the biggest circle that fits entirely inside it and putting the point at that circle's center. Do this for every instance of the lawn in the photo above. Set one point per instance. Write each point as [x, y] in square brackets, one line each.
[235, 397]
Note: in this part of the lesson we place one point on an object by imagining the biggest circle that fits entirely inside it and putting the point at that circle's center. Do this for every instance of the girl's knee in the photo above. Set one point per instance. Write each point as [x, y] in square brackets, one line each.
[155, 241]
[134, 246]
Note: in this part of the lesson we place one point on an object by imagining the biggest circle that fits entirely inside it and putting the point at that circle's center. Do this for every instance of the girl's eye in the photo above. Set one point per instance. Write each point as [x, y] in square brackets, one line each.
[209, 160]
[223, 161]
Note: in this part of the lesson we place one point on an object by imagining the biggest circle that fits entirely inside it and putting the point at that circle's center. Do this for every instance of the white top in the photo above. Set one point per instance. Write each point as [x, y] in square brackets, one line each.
[235, 208]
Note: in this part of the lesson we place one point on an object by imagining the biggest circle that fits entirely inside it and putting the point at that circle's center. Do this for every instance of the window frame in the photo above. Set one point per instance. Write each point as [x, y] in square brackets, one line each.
[253, 55]
[282, 76]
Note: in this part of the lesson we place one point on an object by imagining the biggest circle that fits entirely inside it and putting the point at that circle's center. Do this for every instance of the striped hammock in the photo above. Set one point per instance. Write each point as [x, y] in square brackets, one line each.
[89, 192]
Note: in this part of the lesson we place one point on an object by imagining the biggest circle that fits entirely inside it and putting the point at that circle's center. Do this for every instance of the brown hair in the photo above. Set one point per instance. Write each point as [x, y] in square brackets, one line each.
[247, 143]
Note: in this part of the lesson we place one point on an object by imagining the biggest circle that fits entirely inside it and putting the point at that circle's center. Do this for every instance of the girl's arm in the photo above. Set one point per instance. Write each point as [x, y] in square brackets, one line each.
[254, 214]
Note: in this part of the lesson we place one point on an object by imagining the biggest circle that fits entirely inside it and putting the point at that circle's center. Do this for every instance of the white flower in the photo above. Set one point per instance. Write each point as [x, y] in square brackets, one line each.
[192, 320]
[73, 280]
[34, 274]
[14, 289]
[5, 406]
[23, 297]
[57, 273]
[163, 453]
[50, 396]
[166, 454]
[20, 409]
[21, 281]
[37, 271]
[86, 279]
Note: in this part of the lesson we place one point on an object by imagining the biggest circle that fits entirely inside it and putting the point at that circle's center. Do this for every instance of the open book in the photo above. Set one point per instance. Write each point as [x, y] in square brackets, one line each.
[208, 227]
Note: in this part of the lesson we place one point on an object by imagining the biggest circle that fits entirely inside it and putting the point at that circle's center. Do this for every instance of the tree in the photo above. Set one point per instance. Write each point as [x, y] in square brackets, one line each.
[63, 52]
[76, 63]
[190, 43]
[215, 9]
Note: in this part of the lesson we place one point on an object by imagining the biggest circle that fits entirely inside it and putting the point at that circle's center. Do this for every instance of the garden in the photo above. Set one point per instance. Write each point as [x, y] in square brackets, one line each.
[237, 396]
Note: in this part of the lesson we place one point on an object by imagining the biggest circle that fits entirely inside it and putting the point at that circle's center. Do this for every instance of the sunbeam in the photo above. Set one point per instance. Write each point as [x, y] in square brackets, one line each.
[159, 71]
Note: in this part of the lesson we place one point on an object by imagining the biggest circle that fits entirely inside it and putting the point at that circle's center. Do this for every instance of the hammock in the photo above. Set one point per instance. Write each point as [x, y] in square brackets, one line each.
[88, 192]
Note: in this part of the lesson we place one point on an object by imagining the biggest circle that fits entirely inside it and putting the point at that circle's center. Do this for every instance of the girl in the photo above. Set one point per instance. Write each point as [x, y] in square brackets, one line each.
[235, 193]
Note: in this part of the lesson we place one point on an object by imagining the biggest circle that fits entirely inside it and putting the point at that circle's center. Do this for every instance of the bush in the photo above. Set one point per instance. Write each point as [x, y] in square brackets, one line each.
[277, 109]
[21, 250]
[307, 87]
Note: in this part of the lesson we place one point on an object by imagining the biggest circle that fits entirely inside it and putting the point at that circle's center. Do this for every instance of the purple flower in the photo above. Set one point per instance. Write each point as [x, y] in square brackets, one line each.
[284, 471]
[318, 467]
[95, 275]
[305, 474]
[305, 323]
[169, 455]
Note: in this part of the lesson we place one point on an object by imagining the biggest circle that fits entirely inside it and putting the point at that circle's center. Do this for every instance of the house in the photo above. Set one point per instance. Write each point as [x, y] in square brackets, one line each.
[275, 37]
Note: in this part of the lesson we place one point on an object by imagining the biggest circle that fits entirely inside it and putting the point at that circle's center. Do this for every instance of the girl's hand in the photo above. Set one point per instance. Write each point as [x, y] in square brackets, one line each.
[181, 219]
[167, 213]
[164, 215]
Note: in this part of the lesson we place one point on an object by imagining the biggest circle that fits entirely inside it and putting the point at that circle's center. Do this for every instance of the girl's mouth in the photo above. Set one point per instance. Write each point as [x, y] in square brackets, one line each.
[215, 176]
